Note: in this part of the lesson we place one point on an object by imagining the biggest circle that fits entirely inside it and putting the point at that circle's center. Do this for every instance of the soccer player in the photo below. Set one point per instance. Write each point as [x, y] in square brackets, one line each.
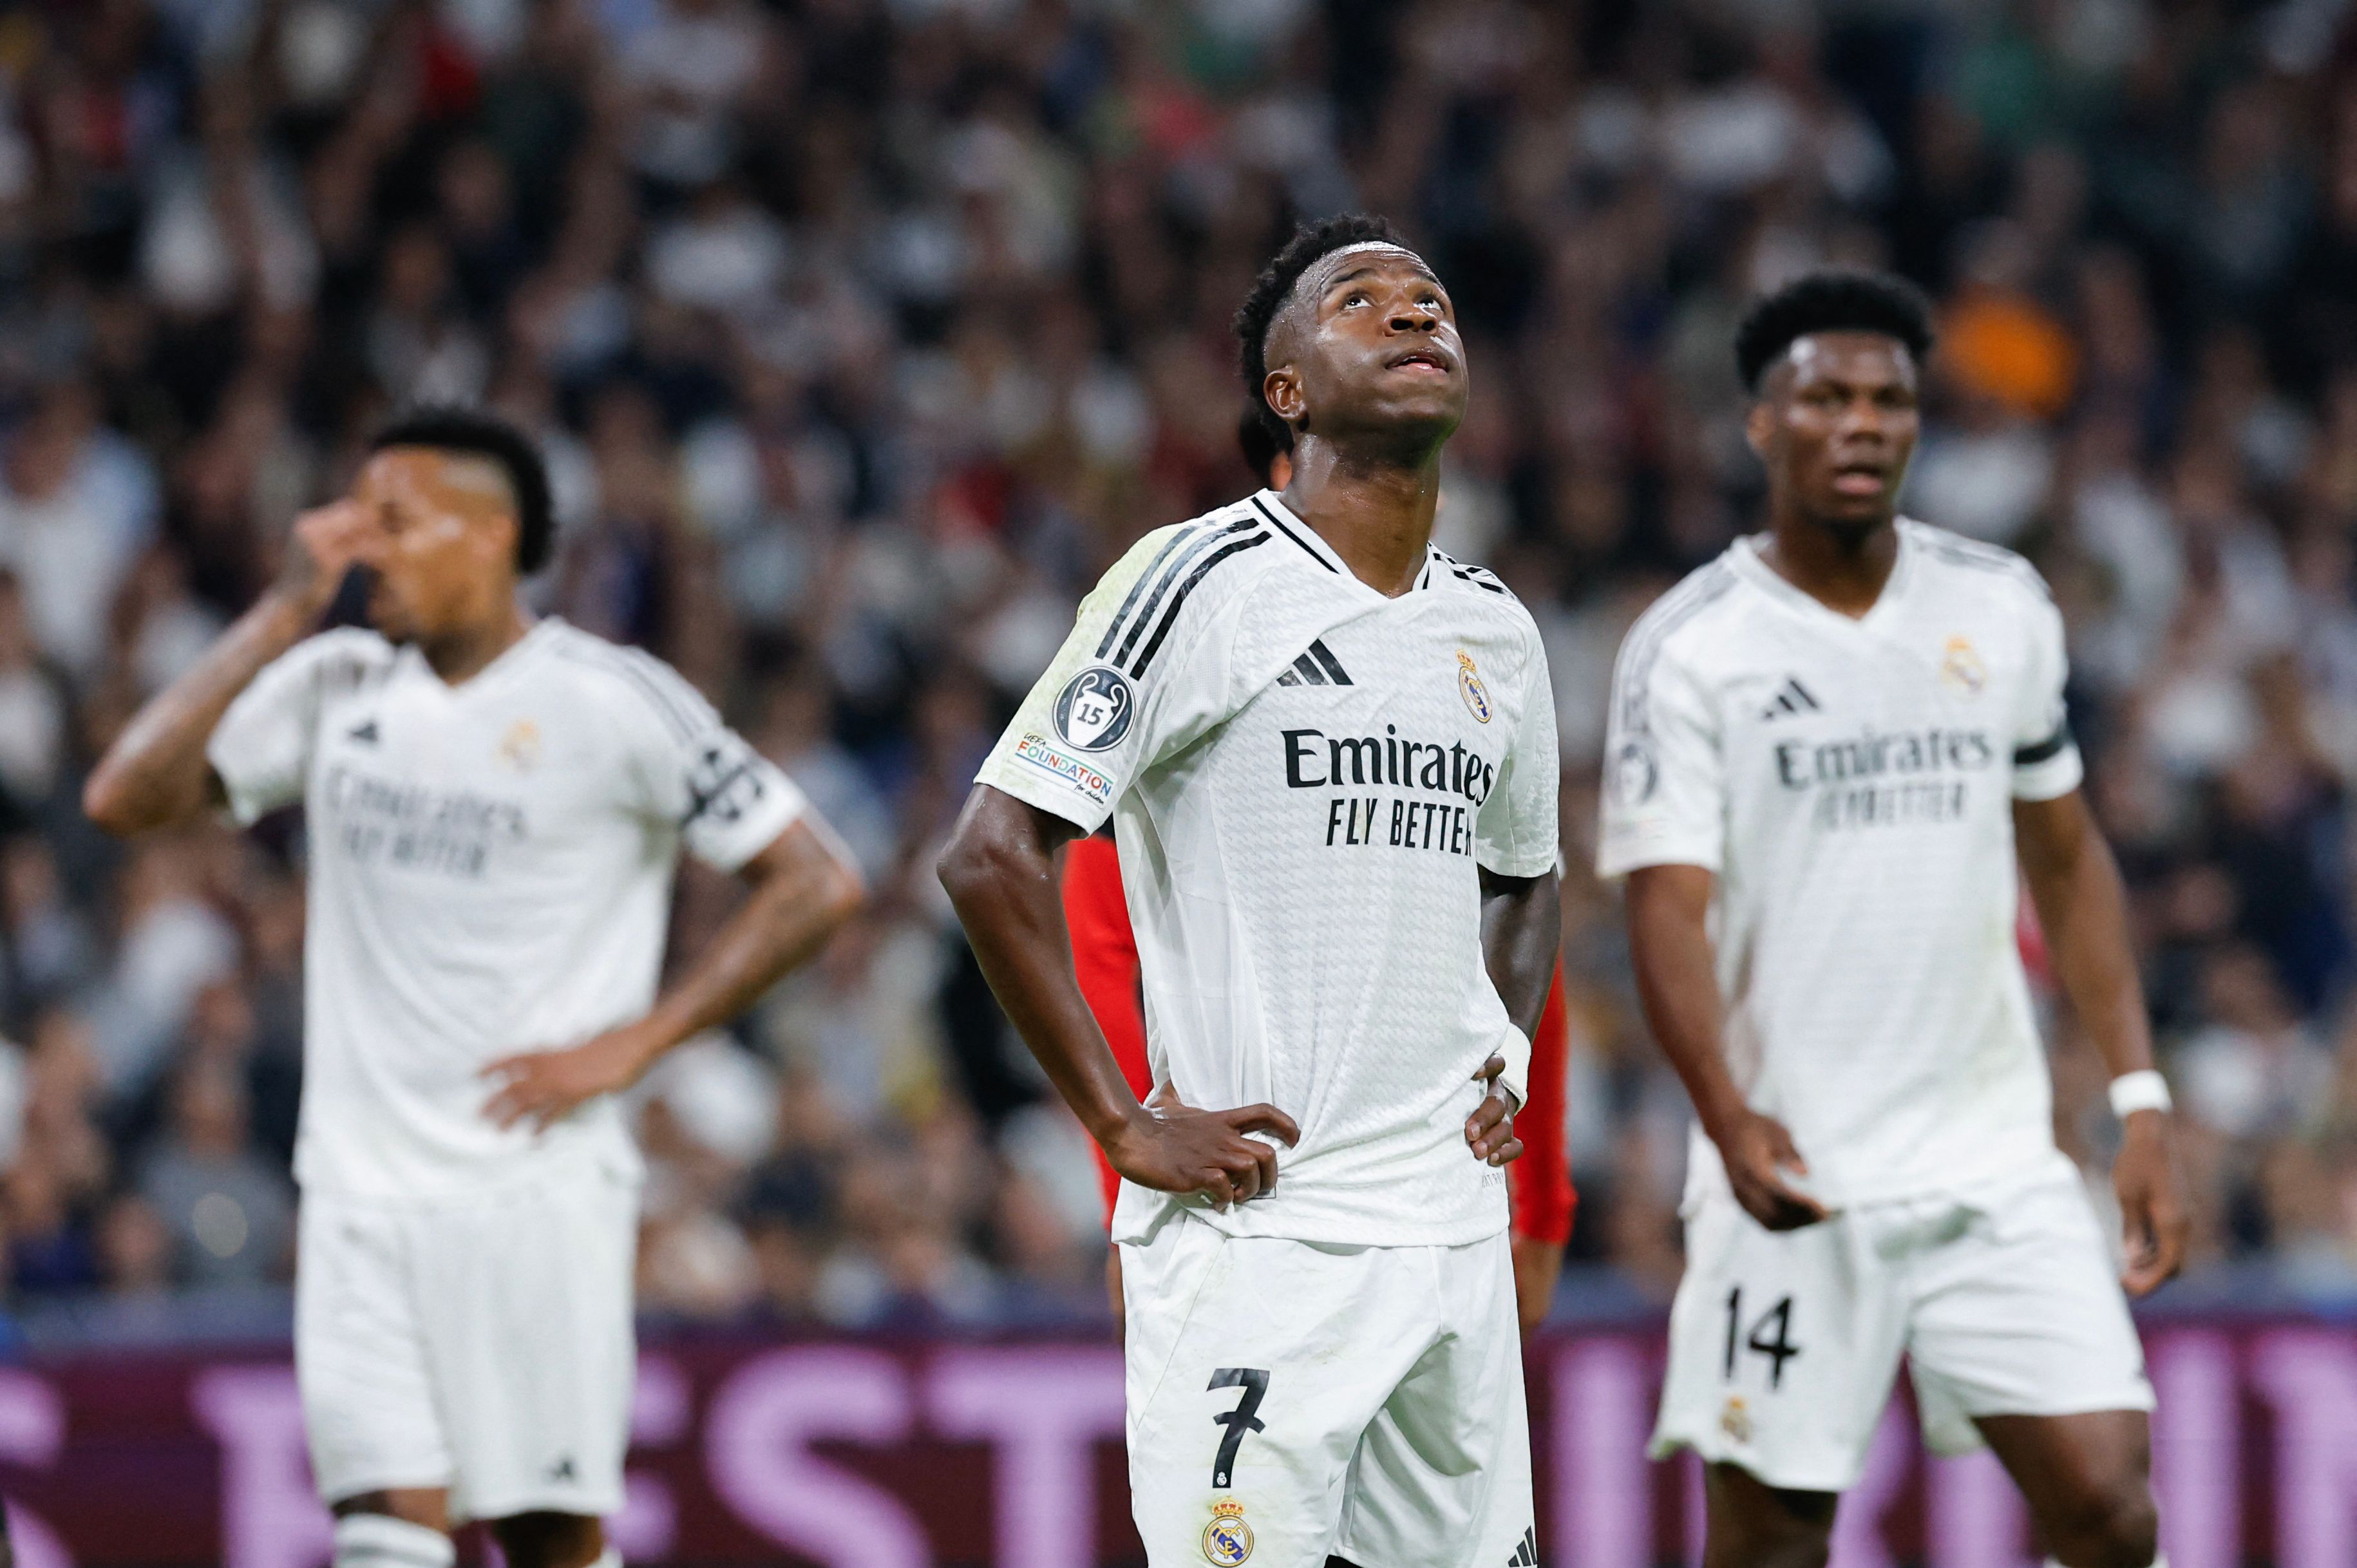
[1330, 754]
[1830, 750]
[1104, 961]
[495, 808]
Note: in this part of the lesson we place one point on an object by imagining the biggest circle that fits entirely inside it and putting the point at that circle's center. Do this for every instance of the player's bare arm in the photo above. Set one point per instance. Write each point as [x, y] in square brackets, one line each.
[1677, 983]
[999, 870]
[2076, 885]
[801, 888]
[155, 775]
[1521, 932]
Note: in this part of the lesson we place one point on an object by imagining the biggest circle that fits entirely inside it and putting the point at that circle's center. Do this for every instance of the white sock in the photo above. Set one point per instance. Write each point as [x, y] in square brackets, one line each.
[611, 1558]
[381, 1541]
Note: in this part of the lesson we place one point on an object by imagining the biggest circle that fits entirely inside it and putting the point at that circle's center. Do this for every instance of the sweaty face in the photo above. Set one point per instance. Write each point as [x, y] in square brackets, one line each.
[1836, 424]
[447, 540]
[1368, 342]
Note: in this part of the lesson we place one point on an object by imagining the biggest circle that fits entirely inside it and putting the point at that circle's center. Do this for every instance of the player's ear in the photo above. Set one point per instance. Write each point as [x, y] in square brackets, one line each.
[1759, 427]
[1282, 388]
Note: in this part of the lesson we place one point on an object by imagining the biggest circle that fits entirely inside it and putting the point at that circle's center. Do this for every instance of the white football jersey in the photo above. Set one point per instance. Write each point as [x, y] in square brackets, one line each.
[1851, 783]
[1305, 778]
[490, 871]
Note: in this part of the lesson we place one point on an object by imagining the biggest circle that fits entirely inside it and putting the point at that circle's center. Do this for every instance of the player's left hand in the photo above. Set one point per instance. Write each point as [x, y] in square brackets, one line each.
[1491, 1128]
[545, 1087]
[2153, 1220]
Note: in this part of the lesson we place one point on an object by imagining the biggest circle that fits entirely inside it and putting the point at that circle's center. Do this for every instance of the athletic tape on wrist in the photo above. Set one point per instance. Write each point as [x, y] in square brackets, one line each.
[2134, 1091]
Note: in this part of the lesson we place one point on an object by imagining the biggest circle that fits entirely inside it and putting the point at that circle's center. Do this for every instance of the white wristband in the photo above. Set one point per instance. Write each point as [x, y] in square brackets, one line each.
[2134, 1091]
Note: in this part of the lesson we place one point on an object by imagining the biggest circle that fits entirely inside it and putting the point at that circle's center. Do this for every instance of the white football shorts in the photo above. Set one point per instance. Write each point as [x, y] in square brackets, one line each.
[1290, 1400]
[1783, 1346]
[488, 1348]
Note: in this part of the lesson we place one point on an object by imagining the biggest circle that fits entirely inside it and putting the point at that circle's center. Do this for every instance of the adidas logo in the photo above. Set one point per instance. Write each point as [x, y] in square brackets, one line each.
[364, 732]
[1526, 1555]
[562, 1470]
[1316, 666]
[1795, 698]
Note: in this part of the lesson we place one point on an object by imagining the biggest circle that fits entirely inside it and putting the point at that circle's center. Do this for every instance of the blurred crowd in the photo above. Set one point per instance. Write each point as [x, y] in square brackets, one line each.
[861, 333]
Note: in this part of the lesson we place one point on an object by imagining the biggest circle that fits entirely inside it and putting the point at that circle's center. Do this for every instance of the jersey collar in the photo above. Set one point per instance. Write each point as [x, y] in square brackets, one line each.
[1282, 520]
[517, 654]
[1743, 556]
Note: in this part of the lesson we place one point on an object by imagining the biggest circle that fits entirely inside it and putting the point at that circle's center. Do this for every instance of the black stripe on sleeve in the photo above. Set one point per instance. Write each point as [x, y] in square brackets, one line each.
[1195, 548]
[1129, 602]
[2045, 750]
[1170, 616]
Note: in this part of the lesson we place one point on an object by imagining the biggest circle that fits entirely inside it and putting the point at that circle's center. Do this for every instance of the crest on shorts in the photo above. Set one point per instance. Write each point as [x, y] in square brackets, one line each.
[1093, 709]
[1227, 1539]
[1961, 669]
[1736, 1419]
[520, 747]
[1469, 686]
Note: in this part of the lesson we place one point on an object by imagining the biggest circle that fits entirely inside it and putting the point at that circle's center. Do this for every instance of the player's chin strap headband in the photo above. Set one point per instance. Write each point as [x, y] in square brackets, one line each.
[2134, 1091]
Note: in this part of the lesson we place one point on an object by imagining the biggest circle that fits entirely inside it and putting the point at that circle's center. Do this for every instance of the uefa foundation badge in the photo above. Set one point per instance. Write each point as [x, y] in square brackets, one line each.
[1468, 685]
[1227, 1539]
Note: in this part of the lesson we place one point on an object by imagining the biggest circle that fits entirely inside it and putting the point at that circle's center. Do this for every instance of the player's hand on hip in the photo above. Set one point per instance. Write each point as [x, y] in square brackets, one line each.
[545, 1087]
[1757, 1151]
[1173, 1147]
[1490, 1129]
[325, 544]
[2153, 1220]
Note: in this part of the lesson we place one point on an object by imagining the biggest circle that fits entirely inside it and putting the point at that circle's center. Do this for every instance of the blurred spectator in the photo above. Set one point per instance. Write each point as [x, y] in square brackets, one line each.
[230, 1214]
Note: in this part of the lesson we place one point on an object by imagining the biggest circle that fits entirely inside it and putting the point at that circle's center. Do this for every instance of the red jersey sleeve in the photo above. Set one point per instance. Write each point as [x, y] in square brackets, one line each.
[1539, 1184]
[1104, 958]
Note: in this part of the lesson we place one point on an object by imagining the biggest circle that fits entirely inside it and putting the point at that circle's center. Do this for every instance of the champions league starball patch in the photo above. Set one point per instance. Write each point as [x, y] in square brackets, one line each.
[1092, 713]
[1227, 1539]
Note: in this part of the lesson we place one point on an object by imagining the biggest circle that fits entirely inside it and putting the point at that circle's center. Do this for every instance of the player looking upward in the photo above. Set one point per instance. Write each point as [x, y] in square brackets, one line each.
[1830, 750]
[1104, 961]
[495, 806]
[1329, 755]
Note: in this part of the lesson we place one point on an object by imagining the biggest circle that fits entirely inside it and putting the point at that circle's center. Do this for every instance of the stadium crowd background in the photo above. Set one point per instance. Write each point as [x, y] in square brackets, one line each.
[862, 334]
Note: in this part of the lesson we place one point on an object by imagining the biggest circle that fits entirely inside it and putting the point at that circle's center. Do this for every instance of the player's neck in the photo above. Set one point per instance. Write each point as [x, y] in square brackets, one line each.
[1842, 570]
[1376, 512]
[465, 652]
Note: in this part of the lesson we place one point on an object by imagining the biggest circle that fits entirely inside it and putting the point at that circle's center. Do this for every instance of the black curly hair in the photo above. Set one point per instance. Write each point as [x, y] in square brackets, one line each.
[1274, 287]
[1832, 300]
[475, 433]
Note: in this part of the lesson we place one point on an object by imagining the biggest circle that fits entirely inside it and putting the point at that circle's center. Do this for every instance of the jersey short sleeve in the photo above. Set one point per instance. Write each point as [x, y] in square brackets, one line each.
[1665, 798]
[2046, 762]
[1516, 831]
[1134, 681]
[729, 800]
[261, 751]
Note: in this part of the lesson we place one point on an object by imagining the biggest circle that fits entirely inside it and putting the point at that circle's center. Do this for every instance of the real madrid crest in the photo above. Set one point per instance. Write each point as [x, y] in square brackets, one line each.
[1469, 686]
[520, 747]
[1227, 1539]
[1961, 669]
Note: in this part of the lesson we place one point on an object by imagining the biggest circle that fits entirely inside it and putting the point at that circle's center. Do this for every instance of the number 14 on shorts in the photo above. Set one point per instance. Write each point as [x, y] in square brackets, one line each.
[1778, 1346]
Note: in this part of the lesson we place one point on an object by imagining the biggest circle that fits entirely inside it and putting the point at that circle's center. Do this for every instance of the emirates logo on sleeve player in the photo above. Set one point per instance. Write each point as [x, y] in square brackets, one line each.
[1093, 710]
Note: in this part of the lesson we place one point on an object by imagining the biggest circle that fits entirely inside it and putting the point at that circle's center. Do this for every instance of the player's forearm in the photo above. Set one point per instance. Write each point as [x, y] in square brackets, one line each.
[1521, 939]
[803, 889]
[999, 871]
[155, 773]
[2082, 909]
[1677, 986]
